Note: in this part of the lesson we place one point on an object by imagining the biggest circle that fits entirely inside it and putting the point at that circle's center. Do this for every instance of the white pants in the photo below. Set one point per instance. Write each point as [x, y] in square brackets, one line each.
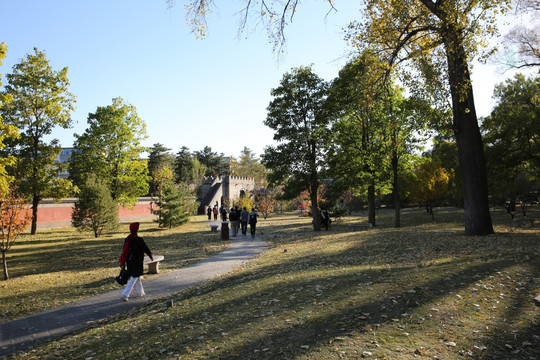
[133, 281]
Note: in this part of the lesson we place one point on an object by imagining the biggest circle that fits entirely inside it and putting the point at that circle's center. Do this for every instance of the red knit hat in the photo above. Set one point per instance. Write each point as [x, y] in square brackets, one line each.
[134, 226]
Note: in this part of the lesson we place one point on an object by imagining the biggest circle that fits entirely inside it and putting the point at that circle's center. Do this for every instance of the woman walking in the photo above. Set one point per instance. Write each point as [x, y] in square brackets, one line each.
[133, 254]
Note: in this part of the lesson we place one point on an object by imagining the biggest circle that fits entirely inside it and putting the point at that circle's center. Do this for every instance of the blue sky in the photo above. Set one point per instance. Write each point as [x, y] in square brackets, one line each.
[190, 92]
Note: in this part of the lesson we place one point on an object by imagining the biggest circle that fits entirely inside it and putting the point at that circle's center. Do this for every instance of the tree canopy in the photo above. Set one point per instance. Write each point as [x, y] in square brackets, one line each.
[439, 38]
[110, 148]
[299, 118]
[215, 164]
[40, 102]
[512, 134]
[6, 131]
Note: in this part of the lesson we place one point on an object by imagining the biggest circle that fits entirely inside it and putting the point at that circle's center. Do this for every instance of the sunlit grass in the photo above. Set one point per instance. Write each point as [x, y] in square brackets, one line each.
[408, 293]
[56, 267]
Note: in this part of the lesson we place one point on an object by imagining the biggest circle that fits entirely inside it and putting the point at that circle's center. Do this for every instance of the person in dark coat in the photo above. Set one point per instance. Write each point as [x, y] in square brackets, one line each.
[325, 218]
[234, 217]
[253, 215]
[209, 213]
[244, 216]
[133, 255]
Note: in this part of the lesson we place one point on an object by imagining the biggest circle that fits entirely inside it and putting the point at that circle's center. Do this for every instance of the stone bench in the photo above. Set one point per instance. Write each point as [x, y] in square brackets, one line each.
[360, 226]
[153, 265]
[213, 228]
[519, 222]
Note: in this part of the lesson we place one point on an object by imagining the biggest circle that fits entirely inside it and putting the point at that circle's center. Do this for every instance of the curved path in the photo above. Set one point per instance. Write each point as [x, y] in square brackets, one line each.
[20, 334]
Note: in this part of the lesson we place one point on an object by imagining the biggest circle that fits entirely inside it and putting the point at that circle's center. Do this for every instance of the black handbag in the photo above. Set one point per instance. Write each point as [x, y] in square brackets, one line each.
[123, 277]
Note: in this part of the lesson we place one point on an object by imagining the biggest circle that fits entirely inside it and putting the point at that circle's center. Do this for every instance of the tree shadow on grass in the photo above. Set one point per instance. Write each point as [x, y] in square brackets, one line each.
[326, 323]
[402, 260]
[517, 342]
[384, 275]
[291, 342]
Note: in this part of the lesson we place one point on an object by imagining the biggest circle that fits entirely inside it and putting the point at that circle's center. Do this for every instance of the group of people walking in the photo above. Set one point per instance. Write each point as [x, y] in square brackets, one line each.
[239, 218]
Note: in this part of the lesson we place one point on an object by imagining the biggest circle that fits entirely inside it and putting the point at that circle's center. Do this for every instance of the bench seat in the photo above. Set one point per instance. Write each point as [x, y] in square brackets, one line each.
[153, 265]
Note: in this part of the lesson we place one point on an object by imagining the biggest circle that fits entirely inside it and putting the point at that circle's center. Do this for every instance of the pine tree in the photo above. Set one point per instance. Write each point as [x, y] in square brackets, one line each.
[95, 210]
[176, 206]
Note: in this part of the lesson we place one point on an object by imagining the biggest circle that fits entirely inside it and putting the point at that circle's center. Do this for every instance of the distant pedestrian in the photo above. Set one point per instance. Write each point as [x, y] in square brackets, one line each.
[234, 217]
[215, 212]
[223, 214]
[253, 221]
[244, 216]
[209, 213]
[133, 255]
[325, 218]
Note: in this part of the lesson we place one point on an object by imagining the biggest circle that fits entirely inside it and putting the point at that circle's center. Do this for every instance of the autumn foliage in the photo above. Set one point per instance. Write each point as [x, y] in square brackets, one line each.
[14, 219]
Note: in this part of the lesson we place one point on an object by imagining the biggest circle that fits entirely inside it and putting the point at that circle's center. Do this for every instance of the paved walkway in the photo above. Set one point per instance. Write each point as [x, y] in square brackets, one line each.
[23, 333]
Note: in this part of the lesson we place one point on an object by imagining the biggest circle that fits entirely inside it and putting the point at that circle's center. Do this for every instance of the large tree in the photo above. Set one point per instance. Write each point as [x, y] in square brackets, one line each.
[110, 148]
[439, 38]
[512, 134]
[6, 131]
[299, 117]
[40, 103]
[361, 132]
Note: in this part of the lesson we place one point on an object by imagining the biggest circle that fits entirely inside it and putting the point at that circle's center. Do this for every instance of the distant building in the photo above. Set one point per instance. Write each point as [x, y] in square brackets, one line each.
[64, 157]
[223, 190]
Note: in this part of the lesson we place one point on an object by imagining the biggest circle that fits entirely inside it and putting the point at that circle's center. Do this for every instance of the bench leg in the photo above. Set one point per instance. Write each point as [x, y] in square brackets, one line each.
[153, 267]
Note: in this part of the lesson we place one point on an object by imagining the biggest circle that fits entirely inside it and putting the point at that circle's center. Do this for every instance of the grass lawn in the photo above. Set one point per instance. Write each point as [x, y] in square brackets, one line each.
[56, 267]
[423, 291]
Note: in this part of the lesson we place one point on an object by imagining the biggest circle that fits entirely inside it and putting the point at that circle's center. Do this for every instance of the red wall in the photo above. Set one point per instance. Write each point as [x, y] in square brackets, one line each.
[57, 215]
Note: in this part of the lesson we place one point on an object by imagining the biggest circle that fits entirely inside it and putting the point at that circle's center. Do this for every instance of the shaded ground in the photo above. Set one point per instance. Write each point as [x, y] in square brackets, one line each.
[421, 291]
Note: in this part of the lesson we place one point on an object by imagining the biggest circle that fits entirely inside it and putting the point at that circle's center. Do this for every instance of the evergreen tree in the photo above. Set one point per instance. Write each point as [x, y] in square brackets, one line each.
[95, 210]
[158, 159]
[176, 206]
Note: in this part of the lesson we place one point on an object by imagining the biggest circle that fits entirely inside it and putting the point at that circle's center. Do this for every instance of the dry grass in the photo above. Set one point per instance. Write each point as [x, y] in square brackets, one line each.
[57, 267]
[422, 291]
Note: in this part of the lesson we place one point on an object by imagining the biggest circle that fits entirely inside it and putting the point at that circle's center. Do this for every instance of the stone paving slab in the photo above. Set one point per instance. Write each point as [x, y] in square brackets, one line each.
[20, 334]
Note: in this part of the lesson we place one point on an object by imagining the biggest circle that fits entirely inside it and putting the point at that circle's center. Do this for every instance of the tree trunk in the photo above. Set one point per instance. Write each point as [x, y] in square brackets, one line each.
[315, 210]
[4, 260]
[371, 204]
[395, 188]
[314, 186]
[468, 138]
[35, 203]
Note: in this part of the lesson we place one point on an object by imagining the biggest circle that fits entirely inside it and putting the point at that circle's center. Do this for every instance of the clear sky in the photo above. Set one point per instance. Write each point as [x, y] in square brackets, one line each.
[195, 93]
